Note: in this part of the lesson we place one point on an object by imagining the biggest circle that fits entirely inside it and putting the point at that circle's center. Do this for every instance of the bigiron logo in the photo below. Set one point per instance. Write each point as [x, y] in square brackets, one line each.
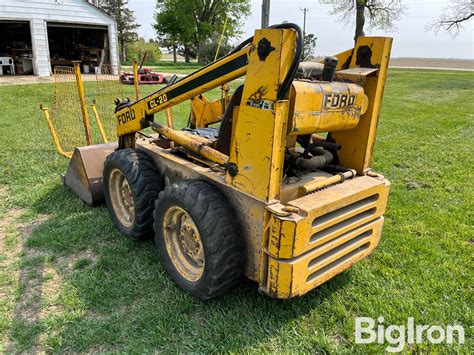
[397, 336]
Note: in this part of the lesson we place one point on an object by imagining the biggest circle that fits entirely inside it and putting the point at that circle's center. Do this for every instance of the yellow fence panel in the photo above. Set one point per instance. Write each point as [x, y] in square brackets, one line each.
[108, 88]
[74, 97]
[66, 117]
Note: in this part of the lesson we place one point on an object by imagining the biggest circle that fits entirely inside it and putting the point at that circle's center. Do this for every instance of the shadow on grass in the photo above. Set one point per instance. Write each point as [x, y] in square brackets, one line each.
[112, 293]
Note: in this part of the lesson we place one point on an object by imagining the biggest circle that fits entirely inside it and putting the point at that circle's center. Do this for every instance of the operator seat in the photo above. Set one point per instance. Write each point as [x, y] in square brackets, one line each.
[221, 136]
[222, 143]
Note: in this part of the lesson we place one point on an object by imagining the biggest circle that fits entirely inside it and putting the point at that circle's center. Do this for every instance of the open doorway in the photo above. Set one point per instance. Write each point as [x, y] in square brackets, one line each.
[71, 42]
[16, 52]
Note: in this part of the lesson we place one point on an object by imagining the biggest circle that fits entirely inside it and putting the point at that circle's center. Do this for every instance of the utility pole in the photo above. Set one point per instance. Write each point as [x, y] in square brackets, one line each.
[265, 13]
[305, 10]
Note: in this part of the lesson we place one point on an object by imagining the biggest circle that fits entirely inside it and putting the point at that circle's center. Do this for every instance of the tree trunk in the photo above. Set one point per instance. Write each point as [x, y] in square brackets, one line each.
[123, 50]
[186, 55]
[198, 54]
[360, 19]
[175, 56]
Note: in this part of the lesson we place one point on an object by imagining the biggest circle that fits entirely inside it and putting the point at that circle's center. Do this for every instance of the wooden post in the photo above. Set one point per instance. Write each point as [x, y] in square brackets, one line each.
[136, 80]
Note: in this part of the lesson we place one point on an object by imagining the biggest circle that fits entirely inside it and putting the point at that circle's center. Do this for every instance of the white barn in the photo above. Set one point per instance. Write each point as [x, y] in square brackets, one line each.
[41, 34]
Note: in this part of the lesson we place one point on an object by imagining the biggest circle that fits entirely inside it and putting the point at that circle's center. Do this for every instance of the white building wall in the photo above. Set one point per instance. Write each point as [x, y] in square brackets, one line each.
[40, 12]
[39, 41]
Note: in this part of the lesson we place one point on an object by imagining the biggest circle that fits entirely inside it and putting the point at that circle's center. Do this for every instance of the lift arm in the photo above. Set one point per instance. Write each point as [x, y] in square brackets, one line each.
[136, 116]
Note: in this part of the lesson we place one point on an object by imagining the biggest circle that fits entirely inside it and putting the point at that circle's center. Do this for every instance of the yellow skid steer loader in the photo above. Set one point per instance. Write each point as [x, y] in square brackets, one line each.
[282, 193]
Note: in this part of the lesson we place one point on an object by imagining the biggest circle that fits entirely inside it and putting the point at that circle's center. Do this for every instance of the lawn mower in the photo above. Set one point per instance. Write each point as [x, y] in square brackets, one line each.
[145, 76]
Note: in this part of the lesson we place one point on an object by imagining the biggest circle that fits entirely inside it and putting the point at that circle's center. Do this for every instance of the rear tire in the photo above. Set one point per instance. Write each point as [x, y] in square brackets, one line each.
[131, 185]
[198, 239]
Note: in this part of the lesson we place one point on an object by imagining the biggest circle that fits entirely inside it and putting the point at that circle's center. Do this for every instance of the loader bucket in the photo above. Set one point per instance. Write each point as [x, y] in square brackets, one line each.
[84, 173]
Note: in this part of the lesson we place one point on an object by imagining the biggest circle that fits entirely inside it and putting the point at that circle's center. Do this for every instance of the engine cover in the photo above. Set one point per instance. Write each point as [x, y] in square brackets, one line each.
[325, 107]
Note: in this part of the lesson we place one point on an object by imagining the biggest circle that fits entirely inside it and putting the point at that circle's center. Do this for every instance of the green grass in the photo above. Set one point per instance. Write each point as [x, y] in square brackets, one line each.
[70, 282]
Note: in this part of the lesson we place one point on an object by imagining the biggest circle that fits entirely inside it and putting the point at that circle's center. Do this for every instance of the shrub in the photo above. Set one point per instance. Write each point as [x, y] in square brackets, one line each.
[135, 51]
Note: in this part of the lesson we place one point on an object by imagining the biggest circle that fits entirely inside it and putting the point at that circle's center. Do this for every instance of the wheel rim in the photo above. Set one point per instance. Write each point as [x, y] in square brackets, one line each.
[184, 244]
[122, 198]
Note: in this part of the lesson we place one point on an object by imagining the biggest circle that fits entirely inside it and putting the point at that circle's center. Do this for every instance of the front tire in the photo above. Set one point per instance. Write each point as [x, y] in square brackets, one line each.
[197, 238]
[131, 185]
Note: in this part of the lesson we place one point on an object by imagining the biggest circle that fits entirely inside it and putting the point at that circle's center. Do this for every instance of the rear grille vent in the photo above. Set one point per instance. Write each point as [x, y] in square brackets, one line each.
[341, 247]
[341, 235]
[337, 262]
[344, 210]
[342, 224]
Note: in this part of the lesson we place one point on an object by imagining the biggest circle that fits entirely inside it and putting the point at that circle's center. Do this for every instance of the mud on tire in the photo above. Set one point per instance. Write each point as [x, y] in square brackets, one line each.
[131, 178]
[215, 221]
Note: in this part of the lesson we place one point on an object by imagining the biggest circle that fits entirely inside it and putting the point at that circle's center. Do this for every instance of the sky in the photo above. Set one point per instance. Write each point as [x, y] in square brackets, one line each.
[411, 38]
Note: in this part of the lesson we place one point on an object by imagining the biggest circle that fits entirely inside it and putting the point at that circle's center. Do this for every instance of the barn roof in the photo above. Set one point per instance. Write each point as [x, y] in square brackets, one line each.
[98, 8]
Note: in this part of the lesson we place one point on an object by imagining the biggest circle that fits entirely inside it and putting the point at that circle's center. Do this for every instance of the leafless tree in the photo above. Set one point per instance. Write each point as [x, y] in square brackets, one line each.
[454, 16]
[381, 14]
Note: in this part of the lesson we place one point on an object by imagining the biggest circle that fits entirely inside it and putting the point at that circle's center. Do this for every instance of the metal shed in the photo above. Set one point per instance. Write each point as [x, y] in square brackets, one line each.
[40, 34]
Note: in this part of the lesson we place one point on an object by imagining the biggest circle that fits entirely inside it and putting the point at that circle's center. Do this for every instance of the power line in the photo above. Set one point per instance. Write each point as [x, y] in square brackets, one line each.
[305, 10]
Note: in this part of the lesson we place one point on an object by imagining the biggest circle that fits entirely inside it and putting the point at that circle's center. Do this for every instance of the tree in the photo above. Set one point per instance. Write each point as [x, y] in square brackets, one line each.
[309, 46]
[172, 32]
[455, 15]
[126, 26]
[136, 50]
[381, 14]
[186, 24]
[208, 48]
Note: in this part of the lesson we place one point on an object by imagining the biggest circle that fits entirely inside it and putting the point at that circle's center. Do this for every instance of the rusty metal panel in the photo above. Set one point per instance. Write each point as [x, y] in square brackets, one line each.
[205, 112]
[325, 107]
[248, 209]
[326, 214]
[322, 235]
[296, 276]
[257, 148]
[358, 143]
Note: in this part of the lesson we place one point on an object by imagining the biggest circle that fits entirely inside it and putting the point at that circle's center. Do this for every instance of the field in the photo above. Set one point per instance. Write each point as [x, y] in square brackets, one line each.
[70, 282]
[456, 64]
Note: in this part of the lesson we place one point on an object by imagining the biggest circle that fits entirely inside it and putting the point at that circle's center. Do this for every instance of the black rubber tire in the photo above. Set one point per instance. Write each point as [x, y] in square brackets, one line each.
[145, 182]
[216, 222]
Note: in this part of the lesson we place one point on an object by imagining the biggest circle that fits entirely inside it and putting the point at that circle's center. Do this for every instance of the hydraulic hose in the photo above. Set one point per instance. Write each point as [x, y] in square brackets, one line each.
[320, 158]
[330, 146]
[286, 84]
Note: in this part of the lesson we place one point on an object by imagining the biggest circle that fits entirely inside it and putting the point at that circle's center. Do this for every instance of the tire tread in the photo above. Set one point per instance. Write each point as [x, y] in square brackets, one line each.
[216, 222]
[145, 181]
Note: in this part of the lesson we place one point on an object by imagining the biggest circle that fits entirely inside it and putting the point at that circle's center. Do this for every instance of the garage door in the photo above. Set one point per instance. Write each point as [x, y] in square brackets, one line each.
[15, 43]
[70, 42]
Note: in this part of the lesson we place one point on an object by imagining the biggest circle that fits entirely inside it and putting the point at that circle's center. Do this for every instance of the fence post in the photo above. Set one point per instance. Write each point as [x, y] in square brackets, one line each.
[82, 99]
[54, 135]
[99, 123]
[135, 80]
